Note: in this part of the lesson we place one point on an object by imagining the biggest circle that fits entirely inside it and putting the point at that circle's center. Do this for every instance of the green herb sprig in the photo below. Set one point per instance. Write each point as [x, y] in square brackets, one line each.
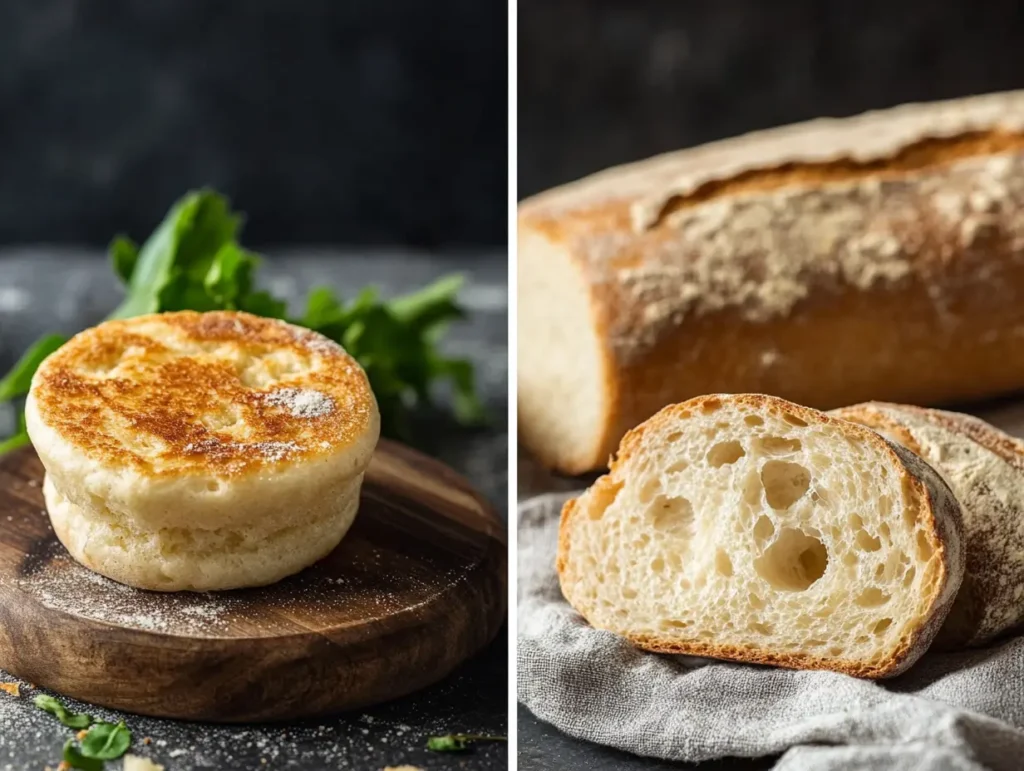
[193, 261]
[59, 711]
[459, 742]
[103, 741]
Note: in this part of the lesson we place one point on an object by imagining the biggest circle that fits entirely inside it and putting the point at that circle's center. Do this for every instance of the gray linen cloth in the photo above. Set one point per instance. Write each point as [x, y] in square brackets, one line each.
[962, 712]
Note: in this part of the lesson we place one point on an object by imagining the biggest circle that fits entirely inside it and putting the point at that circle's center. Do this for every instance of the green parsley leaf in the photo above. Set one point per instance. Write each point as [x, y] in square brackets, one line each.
[107, 741]
[229, 277]
[59, 711]
[468, 409]
[124, 253]
[459, 742]
[19, 439]
[430, 309]
[263, 304]
[193, 261]
[179, 253]
[76, 759]
[19, 379]
[14, 442]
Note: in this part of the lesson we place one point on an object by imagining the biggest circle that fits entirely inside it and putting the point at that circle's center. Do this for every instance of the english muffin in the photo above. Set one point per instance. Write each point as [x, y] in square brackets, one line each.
[201, 451]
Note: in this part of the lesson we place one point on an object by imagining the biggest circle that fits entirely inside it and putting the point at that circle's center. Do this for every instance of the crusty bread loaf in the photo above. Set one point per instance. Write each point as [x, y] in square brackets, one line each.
[831, 262]
[985, 470]
[749, 528]
[201, 451]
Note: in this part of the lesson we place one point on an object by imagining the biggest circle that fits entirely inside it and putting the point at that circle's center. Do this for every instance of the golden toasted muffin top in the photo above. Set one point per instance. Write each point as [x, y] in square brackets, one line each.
[223, 392]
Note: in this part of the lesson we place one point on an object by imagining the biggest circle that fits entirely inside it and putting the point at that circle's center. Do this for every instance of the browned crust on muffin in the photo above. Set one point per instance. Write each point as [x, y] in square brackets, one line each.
[935, 503]
[164, 395]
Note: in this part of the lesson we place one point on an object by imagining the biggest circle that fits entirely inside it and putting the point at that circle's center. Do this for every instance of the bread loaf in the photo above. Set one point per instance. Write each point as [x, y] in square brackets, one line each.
[752, 529]
[985, 470]
[831, 262]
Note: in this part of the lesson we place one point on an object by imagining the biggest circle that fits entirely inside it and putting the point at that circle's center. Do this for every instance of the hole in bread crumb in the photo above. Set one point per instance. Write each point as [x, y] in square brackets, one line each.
[855, 521]
[879, 570]
[872, 597]
[861, 638]
[794, 562]
[648, 490]
[672, 515]
[684, 584]
[724, 453]
[763, 528]
[675, 562]
[778, 445]
[722, 563]
[753, 420]
[784, 483]
[816, 643]
[629, 594]
[909, 518]
[882, 625]
[793, 420]
[884, 531]
[908, 577]
[924, 546]
[850, 559]
[657, 564]
[678, 466]
[710, 405]
[213, 485]
[675, 436]
[835, 651]
[760, 628]
[674, 623]
[868, 542]
[756, 602]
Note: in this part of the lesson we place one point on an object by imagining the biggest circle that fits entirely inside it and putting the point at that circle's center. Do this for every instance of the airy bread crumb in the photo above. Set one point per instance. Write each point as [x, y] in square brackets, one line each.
[753, 529]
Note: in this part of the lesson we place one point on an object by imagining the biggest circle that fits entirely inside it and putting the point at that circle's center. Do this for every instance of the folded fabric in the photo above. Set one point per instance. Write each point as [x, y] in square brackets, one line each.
[961, 711]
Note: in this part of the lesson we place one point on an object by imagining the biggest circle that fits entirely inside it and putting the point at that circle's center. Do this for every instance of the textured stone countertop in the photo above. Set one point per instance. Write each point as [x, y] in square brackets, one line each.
[43, 289]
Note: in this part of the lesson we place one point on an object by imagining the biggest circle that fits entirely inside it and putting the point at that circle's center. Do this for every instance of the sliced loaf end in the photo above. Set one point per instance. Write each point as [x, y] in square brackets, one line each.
[749, 528]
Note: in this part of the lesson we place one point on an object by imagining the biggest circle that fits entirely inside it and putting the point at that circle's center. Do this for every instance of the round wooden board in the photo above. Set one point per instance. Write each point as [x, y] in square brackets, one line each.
[416, 587]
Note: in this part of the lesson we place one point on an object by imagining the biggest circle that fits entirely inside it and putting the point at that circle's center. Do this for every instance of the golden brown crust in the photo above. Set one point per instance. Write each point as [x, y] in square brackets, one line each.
[736, 266]
[167, 393]
[935, 503]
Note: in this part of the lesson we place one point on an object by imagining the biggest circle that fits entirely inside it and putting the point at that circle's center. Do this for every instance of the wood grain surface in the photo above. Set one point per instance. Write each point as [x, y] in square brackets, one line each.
[415, 588]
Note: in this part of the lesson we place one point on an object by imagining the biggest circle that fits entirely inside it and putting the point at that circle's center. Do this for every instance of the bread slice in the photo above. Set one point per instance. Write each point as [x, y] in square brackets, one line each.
[749, 528]
[985, 469]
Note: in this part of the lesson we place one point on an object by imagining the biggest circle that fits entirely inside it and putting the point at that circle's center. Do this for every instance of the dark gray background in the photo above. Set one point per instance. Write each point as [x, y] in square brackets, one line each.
[328, 122]
[608, 81]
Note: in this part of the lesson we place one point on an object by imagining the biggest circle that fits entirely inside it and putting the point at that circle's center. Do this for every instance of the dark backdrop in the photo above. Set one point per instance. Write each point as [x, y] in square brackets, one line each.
[607, 81]
[325, 120]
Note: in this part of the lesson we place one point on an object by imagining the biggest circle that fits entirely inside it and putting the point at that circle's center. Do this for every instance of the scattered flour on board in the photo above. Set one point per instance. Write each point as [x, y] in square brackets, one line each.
[302, 402]
[65, 585]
